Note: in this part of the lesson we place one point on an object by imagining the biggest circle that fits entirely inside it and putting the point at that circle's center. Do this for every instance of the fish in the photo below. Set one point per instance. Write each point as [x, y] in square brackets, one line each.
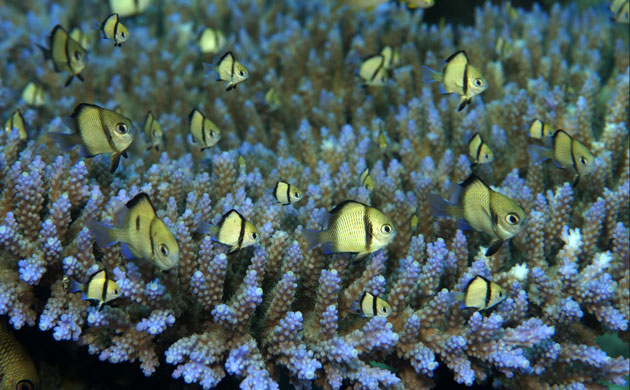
[381, 139]
[66, 54]
[242, 164]
[98, 131]
[272, 99]
[114, 30]
[365, 180]
[128, 7]
[503, 49]
[480, 208]
[203, 130]
[33, 94]
[391, 57]
[286, 194]
[211, 41]
[352, 227]
[17, 370]
[414, 222]
[413, 4]
[460, 77]
[16, 121]
[539, 130]
[482, 294]
[234, 231]
[141, 232]
[372, 71]
[620, 10]
[230, 70]
[373, 306]
[153, 132]
[99, 287]
[567, 152]
[479, 151]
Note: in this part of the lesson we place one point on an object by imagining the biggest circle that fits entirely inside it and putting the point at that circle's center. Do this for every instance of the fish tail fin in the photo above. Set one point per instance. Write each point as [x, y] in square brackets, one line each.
[439, 207]
[75, 286]
[538, 154]
[103, 234]
[312, 236]
[65, 141]
[429, 75]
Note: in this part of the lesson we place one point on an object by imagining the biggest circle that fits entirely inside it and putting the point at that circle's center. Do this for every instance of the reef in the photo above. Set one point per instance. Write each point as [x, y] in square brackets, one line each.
[277, 311]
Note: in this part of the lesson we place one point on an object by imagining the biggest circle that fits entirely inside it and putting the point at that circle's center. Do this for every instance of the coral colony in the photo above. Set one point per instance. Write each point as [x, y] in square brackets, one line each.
[276, 311]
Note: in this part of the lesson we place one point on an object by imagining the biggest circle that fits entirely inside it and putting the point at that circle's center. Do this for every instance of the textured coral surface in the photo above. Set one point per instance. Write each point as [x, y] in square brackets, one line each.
[277, 313]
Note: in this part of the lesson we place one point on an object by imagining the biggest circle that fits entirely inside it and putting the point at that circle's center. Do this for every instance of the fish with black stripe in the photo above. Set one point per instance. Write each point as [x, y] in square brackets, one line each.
[234, 231]
[620, 10]
[141, 232]
[114, 30]
[352, 227]
[66, 53]
[365, 180]
[286, 193]
[372, 306]
[480, 208]
[16, 121]
[479, 151]
[99, 287]
[372, 71]
[230, 70]
[203, 130]
[481, 294]
[460, 77]
[153, 132]
[567, 152]
[97, 130]
[539, 130]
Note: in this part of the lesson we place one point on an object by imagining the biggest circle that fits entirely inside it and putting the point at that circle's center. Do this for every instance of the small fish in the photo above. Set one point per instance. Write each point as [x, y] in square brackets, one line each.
[99, 287]
[365, 180]
[114, 30]
[414, 222]
[230, 70]
[242, 164]
[382, 139]
[539, 130]
[352, 227]
[272, 99]
[128, 7]
[413, 4]
[479, 151]
[367, 5]
[620, 10]
[503, 49]
[235, 231]
[482, 294]
[391, 57]
[141, 232]
[211, 41]
[373, 72]
[17, 370]
[286, 194]
[567, 152]
[480, 208]
[33, 94]
[84, 39]
[153, 132]
[98, 130]
[203, 130]
[16, 121]
[371, 306]
[459, 77]
[66, 53]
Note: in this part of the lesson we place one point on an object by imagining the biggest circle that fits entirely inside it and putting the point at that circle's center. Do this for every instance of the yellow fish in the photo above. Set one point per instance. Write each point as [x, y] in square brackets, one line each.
[114, 30]
[153, 132]
[16, 121]
[128, 7]
[373, 72]
[235, 231]
[382, 139]
[141, 232]
[286, 194]
[482, 294]
[459, 77]
[98, 288]
[480, 208]
[17, 370]
[539, 130]
[98, 130]
[66, 53]
[371, 306]
[479, 151]
[211, 41]
[84, 39]
[414, 222]
[620, 10]
[365, 180]
[413, 4]
[33, 94]
[230, 70]
[567, 152]
[272, 99]
[391, 57]
[203, 130]
[503, 49]
[352, 227]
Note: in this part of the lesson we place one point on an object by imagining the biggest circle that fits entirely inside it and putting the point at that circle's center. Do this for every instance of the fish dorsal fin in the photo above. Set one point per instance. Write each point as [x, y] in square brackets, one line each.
[226, 57]
[98, 274]
[345, 203]
[141, 200]
[192, 113]
[459, 57]
[470, 180]
[230, 215]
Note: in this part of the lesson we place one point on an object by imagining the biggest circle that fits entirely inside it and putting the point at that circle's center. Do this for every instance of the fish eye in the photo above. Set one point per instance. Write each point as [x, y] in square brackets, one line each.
[500, 294]
[254, 236]
[164, 249]
[386, 229]
[123, 34]
[478, 82]
[512, 219]
[122, 128]
[24, 384]
[583, 160]
[384, 309]
[77, 55]
[297, 194]
[486, 155]
[212, 133]
[116, 291]
[241, 73]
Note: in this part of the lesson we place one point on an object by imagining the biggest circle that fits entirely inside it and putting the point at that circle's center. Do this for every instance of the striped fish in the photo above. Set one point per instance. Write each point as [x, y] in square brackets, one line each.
[114, 30]
[235, 231]
[66, 53]
[482, 294]
[373, 72]
[286, 194]
[365, 180]
[203, 130]
[371, 306]
[153, 132]
[230, 70]
[16, 121]
[539, 130]
[98, 288]
[479, 151]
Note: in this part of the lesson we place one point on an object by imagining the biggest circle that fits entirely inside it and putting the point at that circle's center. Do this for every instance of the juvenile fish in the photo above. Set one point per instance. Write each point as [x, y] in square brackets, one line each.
[16, 121]
[128, 7]
[567, 152]
[98, 288]
[391, 57]
[98, 130]
[539, 130]
[286, 194]
[620, 10]
[503, 49]
[114, 30]
[33, 94]
[272, 99]
[482, 294]
[211, 41]
[203, 130]
[480, 208]
[371, 306]
[365, 180]
[352, 227]
[153, 132]
[459, 77]
[479, 151]
[230, 70]
[66, 54]
[17, 370]
[235, 231]
[141, 232]
[413, 4]
[372, 71]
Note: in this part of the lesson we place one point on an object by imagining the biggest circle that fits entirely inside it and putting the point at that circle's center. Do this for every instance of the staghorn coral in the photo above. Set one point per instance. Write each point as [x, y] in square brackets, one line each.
[278, 312]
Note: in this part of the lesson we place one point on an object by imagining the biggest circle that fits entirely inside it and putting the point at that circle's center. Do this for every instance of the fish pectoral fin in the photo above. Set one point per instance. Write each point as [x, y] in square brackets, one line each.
[80, 77]
[328, 248]
[68, 81]
[494, 247]
[576, 180]
[464, 102]
[126, 251]
[463, 225]
[114, 162]
[124, 154]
